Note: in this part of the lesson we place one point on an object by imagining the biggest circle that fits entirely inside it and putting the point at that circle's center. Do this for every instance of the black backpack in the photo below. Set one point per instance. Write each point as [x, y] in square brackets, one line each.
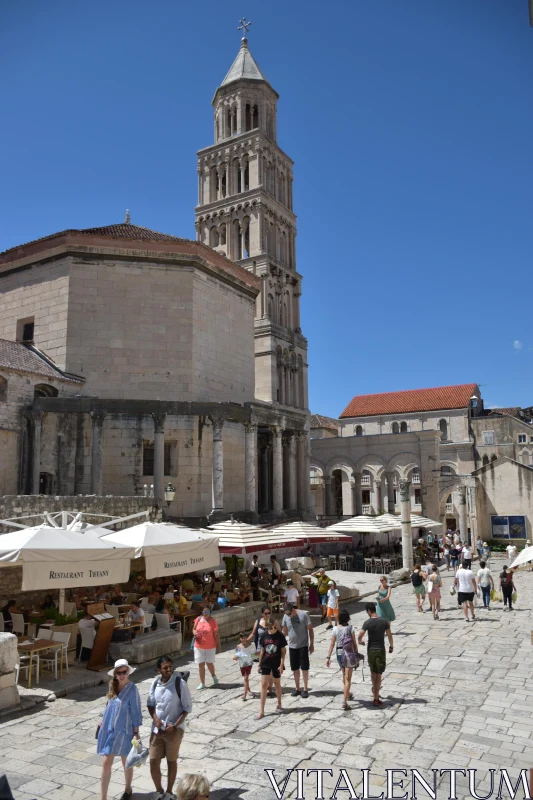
[180, 676]
[416, 579]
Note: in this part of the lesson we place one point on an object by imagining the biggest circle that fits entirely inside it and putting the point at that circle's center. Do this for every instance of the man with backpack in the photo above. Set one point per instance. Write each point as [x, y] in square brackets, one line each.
[169, 702]
[343, 640]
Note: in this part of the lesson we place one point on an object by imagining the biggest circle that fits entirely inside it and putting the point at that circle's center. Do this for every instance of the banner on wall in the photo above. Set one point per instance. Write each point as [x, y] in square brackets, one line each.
[508, 527]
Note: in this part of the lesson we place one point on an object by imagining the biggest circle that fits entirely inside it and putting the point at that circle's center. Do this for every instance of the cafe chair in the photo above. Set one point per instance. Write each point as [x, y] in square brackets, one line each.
[113, 610]
[378, 565]
[23, 664]
[148, 621]
[19, 626]
[163, 622]
[332, 562]
[368, 565]
[57, 636]
[387, 565]
[343, 563]
[87, 638]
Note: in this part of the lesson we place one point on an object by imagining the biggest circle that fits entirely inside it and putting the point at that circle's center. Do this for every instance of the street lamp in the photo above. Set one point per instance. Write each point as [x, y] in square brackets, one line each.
[170, 493]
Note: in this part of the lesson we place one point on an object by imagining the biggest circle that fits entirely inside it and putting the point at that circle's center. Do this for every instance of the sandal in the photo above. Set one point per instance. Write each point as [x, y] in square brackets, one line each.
[244, 697]
[345, 707]
[278, 710]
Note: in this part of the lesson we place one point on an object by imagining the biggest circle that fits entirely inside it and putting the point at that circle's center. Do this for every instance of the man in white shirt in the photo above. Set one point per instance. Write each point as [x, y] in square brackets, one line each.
[291, 594]
[466, 586]
[135, 614]
[512, 552]
[467, 556]
[169, 702]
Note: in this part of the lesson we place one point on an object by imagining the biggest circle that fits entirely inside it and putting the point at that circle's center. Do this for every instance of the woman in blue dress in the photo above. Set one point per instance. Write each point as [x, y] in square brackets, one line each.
[384, 607]
[120, 723]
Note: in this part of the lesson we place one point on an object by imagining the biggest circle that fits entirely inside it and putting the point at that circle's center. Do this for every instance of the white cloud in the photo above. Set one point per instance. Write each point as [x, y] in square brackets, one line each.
[517, 344]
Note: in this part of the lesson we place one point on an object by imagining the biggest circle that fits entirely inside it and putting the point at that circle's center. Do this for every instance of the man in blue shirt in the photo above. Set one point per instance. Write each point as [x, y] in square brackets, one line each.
[168, 702]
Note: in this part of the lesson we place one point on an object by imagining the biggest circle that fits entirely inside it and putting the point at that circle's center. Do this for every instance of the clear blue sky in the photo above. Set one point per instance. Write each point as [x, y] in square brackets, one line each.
[410, 122]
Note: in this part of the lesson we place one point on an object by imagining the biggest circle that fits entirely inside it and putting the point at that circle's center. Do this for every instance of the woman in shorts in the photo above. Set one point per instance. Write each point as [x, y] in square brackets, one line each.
[333, 604]
[343, 639]
[273, 646]
[206, 645]
[417, 579]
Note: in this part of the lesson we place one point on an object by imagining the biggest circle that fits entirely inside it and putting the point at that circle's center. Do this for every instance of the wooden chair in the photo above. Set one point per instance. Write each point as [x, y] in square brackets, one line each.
[343, 563]
[368, 565]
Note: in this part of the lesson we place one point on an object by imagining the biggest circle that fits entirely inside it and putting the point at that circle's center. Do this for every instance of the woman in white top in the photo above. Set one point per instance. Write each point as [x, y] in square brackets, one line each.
[291, 594]
[434, 583]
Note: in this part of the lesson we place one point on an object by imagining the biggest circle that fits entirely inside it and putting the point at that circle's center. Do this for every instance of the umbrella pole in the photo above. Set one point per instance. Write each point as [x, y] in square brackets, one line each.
[61, 601]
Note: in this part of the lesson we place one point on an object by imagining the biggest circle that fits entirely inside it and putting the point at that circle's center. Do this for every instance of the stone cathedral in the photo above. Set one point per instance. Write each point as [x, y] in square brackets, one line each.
[131, 358]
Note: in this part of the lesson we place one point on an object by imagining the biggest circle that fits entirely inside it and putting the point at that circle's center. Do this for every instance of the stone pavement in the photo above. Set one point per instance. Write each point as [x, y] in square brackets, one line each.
[456, 695]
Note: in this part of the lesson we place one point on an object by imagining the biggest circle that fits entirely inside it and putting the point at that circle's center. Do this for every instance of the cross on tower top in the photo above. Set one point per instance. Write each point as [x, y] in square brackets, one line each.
[244, 27]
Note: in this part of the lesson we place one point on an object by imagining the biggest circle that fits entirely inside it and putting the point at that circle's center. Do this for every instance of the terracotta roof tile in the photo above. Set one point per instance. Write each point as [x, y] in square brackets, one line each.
[318, 421]
[512, 412]
[27, 358]
[435, 399]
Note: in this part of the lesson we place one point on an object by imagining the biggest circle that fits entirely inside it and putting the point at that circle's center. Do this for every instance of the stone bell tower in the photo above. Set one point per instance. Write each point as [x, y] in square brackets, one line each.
[245, 211]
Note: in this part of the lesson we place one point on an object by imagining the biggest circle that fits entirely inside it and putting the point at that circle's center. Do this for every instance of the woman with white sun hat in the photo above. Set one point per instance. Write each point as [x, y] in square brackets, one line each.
[121, 721]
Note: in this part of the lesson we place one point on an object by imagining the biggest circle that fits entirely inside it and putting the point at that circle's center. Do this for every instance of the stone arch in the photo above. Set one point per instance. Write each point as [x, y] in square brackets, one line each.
[395, 428]
[358, 430]
[345, 465]
[402, 463]
[403, 427]
[44, 390]
[372, 462]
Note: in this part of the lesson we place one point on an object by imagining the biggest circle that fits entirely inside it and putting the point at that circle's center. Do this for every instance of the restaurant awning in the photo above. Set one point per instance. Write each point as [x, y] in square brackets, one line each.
[58, 558]
[238, 538]
[364, 524]
[311, 532]
[169, 549]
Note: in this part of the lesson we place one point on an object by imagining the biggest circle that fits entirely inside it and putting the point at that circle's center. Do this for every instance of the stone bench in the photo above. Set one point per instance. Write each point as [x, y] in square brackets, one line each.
[9, 696]
[147, 647]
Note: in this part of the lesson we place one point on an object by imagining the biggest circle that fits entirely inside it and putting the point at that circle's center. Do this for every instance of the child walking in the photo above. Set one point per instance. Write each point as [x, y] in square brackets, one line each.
[333, 604]
[244, 654]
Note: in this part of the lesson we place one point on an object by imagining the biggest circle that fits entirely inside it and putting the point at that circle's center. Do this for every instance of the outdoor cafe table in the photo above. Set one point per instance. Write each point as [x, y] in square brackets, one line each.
[26, 647]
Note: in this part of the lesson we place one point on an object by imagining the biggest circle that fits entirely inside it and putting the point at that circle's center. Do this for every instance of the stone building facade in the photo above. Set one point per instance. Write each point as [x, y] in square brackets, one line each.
[451, 450]
[166, 368]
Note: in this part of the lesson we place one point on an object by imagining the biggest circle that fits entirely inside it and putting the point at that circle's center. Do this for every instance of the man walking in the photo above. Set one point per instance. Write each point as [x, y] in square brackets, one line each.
[323, 587]
[376, 627]
[253, 572]
[169, 702]
[486, 582]
[466, 589]
[467, 556]
[276, 571]
[296, 627]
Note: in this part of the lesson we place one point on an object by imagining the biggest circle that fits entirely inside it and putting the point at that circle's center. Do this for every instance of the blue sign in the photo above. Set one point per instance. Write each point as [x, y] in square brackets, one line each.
[508, 527]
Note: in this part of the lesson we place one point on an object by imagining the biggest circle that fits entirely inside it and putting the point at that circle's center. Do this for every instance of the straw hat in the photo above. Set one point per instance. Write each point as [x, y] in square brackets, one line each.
[121, 663]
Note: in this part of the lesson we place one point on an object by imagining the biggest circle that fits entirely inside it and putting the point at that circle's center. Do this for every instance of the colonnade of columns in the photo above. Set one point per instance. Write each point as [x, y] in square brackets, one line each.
[283, 471]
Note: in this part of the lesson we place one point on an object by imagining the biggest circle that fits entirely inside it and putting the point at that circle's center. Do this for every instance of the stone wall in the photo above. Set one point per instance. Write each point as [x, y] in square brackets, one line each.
[504, 488]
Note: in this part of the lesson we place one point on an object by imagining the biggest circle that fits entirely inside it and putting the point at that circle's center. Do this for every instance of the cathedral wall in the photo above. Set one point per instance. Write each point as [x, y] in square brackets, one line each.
[456, 420]
[40, 292]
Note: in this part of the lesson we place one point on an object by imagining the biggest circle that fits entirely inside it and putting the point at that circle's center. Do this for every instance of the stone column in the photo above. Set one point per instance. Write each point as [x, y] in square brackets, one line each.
[407, 539]
[391, 506]
[159, 458]
[250, 492]
[96, 453]
[379, 502]
[357, 492]
[38, 417]
[218, 464]
[277, 467]
[265, 481]
[293, 474]
[328, 499]
[461, 509]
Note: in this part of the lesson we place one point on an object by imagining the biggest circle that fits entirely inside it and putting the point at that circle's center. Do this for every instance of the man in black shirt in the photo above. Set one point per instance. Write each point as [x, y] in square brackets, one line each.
[376, 627]
[273, 646]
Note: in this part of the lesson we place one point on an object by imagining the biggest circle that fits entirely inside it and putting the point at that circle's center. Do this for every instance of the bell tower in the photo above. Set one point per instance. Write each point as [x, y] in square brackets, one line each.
[245, 212]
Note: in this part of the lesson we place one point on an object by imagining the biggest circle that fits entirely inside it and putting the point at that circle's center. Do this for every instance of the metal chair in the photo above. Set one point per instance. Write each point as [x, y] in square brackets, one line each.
[57, 636]
[343, 563]
[323, 561]
[87, 637]
[332, 562]
[349, 563]
[23, 663]
[368, 565]
[378, 565]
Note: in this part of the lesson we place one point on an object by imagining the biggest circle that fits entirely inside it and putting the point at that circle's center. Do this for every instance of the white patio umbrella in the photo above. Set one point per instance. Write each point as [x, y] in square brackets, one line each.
[523, 558]
[364, 524]
[239, 538]
[311, 532]
[169, 549]
[417, 521]
[58, 558]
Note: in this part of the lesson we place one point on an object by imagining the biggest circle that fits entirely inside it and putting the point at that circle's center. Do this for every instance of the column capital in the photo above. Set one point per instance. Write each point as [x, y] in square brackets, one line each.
[250, 427]
[356, 476]
[327, 479]
[405, 485]
[98, 418]
[377, 482]
[277, 431]
[159, 422]
[218, 425]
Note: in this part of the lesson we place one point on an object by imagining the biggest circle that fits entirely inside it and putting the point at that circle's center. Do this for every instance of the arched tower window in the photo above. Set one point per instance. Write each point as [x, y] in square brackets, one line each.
[213, 237]
[485, 460]
[395, 427]
[358, 430]
[403, 427]
[443, 427]
[3, 389]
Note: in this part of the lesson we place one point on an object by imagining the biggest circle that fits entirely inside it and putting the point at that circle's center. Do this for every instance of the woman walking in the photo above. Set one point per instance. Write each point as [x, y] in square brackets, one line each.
[486, 582]
[120, 724]
[206, 645]
[417, 579]
[384, 607]
[434, 584]
[508, 587]
[343, 639]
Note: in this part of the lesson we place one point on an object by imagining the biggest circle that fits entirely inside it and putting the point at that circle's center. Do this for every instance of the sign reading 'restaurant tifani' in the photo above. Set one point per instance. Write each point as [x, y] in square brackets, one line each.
[204, 556]
[68, 575]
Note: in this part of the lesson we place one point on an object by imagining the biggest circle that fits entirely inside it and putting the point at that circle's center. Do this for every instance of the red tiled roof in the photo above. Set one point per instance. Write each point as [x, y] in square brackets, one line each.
[512, 412]
[440, 397]
[318, 421]
[27, 358]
